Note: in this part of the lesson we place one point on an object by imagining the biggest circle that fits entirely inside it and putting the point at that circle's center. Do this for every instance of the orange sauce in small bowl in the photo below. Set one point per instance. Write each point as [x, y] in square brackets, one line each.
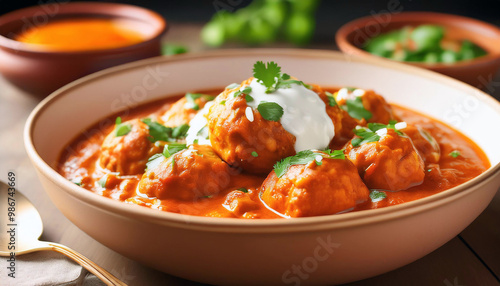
[82, 34]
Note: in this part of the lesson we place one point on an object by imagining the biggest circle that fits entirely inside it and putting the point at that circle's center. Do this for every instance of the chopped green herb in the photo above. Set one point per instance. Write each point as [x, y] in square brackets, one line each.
[159, 132]
[304, 157]
[173, 163]
[192, 97]
[369, 134]
[377, 196]
[208, 197]
[233, 85]
[356, 109]
[245, 190]
[180, 131]
[173, 148]
[248, 98]
[121, 129]
[255, 154]
[270, 110]
[77, 181]
[195, 141]
[350, 89]
[223, 102]
[154, 161]
[455, 153]
[331, 99]
[246, 90]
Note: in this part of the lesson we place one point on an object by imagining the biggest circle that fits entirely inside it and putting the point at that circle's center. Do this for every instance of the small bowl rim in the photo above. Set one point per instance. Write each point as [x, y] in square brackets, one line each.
[294, 225]
[20, 47]
[415, 16]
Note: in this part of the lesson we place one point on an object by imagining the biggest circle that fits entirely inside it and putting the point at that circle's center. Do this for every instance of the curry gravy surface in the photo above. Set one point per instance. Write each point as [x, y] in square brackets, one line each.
[79, 163]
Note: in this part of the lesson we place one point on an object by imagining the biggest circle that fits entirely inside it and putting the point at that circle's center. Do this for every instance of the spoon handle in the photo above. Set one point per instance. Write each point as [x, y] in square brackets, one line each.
[95, 269]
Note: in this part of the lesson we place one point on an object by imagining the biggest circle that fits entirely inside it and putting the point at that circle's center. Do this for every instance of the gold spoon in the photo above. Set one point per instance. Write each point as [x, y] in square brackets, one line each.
[21, 226]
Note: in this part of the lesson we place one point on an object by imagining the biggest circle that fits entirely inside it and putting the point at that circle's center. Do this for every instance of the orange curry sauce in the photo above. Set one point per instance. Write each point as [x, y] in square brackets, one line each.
[80, 158]
[81, 35]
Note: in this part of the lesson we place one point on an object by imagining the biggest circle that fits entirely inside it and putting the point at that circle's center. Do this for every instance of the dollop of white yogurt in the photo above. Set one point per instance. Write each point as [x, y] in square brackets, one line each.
[304, 114]
[198, 129]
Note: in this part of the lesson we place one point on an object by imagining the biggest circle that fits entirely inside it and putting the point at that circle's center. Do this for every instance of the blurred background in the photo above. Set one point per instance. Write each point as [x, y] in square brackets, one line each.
[327, 17]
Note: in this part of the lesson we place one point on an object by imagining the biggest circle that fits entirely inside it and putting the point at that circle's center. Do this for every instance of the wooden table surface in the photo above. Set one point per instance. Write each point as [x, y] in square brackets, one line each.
[471, 258]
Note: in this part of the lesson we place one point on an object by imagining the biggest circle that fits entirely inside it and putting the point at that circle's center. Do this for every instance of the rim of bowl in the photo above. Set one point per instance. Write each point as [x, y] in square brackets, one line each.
[83, 8]
[418, 16]
[233, 225]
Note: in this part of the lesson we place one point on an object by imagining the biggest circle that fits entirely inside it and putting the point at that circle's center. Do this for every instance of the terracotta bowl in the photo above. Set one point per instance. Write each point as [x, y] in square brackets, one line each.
[477, 72]
[41, 71]
[329, 249]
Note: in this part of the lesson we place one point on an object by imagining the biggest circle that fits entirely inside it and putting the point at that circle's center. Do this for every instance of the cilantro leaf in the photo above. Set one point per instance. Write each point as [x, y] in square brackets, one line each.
[266, 74]
[231, 86]
[304, 157]
[355, 108]
[121, 129]
[246, 90]
[245, 190]
[255, 154]
[377, 196]
[331, 99]
[173, 148]
[77, 181]
[270, 111]
[455, 153]
[369, 134]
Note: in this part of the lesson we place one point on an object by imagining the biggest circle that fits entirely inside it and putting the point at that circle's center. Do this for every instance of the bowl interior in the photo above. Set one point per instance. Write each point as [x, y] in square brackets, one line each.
[81, 104]
[147, 23]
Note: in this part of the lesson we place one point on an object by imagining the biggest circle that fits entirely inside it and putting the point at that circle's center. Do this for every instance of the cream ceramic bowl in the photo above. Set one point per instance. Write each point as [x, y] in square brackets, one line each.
[315, 250]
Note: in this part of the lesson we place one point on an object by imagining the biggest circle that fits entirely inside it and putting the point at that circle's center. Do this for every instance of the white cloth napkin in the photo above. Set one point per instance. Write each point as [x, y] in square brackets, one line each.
[46, 268]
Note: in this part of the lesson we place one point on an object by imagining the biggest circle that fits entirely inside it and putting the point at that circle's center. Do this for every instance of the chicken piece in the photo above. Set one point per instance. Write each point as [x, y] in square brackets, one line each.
[189, 174]
[426, 145]
[354, 101]
[254, 145]
[312, 190]
[391, 163]
[128, 154]
[239, 203]
[184, 109]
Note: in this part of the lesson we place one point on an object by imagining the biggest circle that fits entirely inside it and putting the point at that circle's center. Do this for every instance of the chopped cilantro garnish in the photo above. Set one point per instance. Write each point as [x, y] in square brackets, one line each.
[369, 134]
[350, 89]
[255, 154]
[356, 109]
[246, 90]
[191, 97]
[377, 196]
[208, 197]
[159, 132]
[104, 179]
[180, 131]
[173, 148]
[121, 128]
[223, 102]
[248, 98]
[304, 157]
[455, 153]
[331, 99]
[245, 190]
[270, 110]
[195, 141]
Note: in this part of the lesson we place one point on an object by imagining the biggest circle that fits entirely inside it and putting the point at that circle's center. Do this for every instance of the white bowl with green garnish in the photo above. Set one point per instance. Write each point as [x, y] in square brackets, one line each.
[329, 249]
